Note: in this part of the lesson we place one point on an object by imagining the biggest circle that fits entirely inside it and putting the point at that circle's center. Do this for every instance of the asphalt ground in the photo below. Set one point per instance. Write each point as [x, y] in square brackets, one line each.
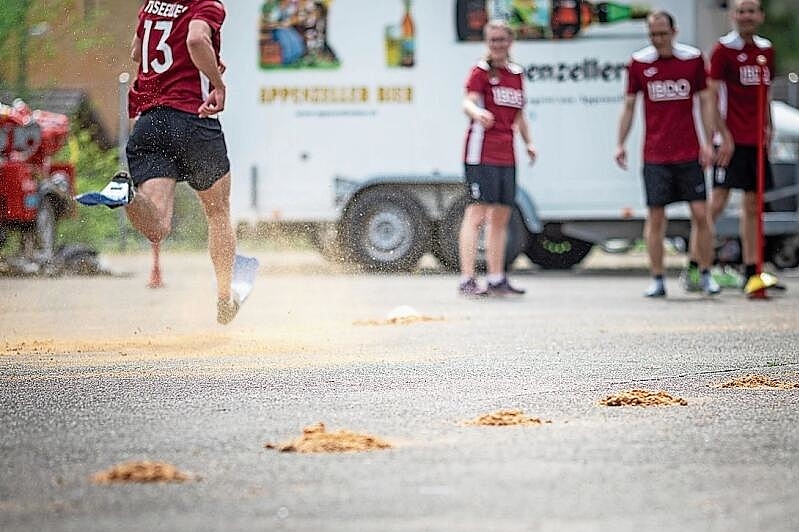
[97, 371]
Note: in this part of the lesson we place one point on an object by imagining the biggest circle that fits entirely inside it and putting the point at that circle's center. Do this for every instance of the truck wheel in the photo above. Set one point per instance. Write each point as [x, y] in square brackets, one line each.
[385, 230]
[552, 250]
[446, 246]
[783, 251]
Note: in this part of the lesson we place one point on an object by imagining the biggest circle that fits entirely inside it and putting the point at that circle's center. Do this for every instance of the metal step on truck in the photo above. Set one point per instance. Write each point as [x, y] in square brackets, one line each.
[344, 118]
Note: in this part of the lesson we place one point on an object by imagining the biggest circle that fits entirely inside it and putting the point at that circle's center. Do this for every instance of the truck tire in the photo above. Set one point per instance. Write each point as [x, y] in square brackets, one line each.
[446, 246]
[783, 251]
[385, 229]
[552, 250]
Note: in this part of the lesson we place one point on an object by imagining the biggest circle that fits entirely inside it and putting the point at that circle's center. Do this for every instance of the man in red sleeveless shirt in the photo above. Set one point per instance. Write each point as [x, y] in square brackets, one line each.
[669, 74]
[734, 81]
[175, 98]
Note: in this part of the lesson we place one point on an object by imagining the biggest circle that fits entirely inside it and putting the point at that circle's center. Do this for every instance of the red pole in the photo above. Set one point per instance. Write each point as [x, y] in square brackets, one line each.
[760, 293]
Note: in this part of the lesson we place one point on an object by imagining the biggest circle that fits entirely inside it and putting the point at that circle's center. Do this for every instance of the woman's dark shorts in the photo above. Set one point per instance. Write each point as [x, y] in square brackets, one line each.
[742, 171]
[491, 184]
[166, 142]
[670, 183]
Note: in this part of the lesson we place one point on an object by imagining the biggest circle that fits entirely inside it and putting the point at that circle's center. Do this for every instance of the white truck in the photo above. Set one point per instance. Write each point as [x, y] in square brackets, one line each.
[344, 118]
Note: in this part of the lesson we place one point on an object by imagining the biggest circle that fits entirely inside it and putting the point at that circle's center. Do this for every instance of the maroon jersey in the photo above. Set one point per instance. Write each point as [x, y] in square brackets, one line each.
[669, 85]
[167, 76]
[734, 62]
[503, 95]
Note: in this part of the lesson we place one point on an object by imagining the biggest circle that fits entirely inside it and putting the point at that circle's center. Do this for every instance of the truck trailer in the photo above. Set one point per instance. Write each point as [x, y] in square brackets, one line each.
[344, 118]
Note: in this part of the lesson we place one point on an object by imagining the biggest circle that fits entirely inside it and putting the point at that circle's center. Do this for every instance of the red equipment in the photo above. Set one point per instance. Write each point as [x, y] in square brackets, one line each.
[34, 191]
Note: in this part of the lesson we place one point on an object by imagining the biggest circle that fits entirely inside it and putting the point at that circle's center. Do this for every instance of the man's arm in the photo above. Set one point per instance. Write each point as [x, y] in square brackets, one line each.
[135, 49]
[483, 116]
[625, 123]
[724, 154]
[708, 110]
[204, 58]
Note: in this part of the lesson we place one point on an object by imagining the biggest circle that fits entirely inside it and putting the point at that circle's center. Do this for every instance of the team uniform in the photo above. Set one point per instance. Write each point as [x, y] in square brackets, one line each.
[734, 63]
[671, 148]
[489, 159]
[169, 139]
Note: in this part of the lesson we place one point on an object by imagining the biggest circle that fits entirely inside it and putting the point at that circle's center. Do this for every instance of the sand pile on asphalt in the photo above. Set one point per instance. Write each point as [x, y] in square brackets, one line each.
[316, 439]
[642, 398]
[505, 417]
[759, 382]
[141, 471]
[401, 315]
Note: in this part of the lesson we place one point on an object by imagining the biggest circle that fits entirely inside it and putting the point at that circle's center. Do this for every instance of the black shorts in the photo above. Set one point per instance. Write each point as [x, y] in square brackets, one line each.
[166, 142]
[742, 171]
[670, 183]
[491, 184]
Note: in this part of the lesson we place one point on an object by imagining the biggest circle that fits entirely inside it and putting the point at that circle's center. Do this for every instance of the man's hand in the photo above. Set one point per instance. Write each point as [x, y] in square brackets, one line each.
[214, 104]
[621, 157]
[486, 119]
[724, 153]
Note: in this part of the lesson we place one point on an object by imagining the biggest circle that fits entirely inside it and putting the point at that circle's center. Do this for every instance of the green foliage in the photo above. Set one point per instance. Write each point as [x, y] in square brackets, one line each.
[782, 28]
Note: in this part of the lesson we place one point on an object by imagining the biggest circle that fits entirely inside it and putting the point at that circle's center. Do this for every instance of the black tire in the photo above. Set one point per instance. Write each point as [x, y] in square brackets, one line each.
[385, 229]
[446, 245]
[552, 250]
[783, 251]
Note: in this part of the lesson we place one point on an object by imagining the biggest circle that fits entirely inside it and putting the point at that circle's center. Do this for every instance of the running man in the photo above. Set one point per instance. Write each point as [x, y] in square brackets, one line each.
[176, 96]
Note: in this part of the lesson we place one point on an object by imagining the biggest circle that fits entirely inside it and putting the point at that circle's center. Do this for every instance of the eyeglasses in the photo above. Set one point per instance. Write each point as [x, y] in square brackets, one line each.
[498, 39]
[654, 34]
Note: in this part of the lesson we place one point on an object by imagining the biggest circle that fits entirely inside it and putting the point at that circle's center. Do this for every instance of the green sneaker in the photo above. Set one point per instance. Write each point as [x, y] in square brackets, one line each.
[727, 277]
[691, 279]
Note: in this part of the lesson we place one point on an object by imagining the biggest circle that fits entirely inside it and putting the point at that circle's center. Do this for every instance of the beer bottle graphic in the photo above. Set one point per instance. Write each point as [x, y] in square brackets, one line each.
[571, 16]
[542, 19]
[407, 37]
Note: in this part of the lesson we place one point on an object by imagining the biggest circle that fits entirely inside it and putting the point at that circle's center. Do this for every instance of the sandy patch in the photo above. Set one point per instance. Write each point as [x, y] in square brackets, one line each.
[642, 398]
[759, 382]
[401, 315]
[505, 417]
[140, 472]
[316, 439]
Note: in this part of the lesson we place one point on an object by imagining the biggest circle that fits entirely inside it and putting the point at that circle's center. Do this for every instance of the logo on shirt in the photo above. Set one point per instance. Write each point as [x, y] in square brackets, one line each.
[508, 97]
[742, 58]
[750, 74]
[651, 71]
[669, 90]
[164, 9]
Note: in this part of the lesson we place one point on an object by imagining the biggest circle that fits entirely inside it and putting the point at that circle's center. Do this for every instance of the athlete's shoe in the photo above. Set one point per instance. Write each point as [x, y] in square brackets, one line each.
[470, 288]
[709, 286]
[691, 279]
[118, 193]
[226, 310]
[655, 289]
[503, 288]
[245, 270]
[727, 277]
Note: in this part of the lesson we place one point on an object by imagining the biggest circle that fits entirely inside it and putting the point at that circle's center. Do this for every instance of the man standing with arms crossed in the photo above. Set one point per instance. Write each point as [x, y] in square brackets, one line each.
[177, 93]
[669, 74]
[734, 83]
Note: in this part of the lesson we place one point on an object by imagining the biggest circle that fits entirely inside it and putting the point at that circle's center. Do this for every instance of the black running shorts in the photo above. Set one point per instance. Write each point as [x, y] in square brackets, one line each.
[491, 184]
[742, 171]
[166, 142]
[670, 183]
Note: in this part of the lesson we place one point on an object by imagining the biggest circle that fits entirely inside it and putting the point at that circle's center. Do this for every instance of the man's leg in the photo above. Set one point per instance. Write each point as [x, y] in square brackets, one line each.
[150, 212]
[704, 235]
[473, 217]
[221, 238]
[654, 232]
[496, 237]
[749, 230]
